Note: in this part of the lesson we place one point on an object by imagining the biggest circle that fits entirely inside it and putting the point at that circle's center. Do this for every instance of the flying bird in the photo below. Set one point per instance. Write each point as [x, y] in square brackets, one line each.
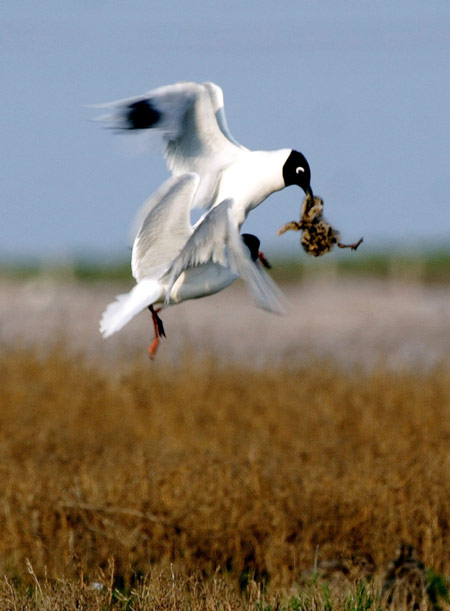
[196, 137]
[173, 261]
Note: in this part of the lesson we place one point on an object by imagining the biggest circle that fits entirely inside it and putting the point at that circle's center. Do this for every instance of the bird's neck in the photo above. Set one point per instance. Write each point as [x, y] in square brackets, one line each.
[257, 175]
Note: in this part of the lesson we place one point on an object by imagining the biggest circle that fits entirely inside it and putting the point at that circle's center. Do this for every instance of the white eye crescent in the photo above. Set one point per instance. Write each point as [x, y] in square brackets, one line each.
[299, 169]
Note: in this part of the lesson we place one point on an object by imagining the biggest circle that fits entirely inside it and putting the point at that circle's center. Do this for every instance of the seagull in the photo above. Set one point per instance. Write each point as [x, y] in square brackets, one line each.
[173, 261]
[197, 140]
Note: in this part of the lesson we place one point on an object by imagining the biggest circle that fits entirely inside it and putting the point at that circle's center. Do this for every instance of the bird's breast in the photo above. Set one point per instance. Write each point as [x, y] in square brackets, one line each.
[200, 281]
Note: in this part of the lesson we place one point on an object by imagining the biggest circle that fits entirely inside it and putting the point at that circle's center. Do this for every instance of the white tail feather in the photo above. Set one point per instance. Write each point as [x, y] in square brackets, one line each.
[125, 307]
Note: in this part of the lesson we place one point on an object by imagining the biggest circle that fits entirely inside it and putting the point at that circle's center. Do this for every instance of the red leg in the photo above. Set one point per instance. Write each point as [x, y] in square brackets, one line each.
[158, 328]
[263, 260]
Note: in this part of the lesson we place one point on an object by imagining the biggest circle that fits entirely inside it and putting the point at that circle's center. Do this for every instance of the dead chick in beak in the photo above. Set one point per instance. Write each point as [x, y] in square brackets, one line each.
[318, 236]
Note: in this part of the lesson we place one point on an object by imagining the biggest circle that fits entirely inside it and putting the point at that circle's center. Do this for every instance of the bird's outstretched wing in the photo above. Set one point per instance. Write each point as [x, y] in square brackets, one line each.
[208, 242]
[192, 119]
[266, 294]
[165, 228]
[216, 95]
[217, 239]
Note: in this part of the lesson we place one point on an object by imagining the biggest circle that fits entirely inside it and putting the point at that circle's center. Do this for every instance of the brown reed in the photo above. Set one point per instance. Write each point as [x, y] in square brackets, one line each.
[221, 472]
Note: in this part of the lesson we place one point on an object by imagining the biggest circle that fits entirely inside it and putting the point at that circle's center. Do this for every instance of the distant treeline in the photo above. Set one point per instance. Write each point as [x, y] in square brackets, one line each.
[431, 266]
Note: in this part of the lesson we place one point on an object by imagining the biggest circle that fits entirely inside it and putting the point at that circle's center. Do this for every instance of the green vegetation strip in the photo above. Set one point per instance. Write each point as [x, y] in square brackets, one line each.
[428, 266]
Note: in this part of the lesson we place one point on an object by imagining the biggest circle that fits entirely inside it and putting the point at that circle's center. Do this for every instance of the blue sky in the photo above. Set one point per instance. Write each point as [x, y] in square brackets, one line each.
[362, 88]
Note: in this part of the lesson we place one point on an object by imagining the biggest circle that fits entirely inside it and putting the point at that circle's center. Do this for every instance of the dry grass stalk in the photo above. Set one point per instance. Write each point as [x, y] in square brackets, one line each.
[253, 474]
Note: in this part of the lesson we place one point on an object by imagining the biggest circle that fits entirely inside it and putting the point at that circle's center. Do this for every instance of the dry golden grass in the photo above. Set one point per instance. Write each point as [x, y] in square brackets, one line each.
[188, 483]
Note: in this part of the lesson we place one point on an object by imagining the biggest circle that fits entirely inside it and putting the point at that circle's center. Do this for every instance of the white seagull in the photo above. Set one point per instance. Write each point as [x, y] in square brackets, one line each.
[192, 120]
[172, 261]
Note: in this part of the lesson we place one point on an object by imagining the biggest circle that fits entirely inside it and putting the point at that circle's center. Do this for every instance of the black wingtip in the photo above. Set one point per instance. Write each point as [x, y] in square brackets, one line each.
[141, 115]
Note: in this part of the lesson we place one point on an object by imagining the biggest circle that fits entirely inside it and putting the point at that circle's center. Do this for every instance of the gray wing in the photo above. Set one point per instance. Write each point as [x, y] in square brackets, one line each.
[192, 121]
[217, 239]
[216, 95]
[266, 294]
[166, 227]
[208, 242]
[199, 144]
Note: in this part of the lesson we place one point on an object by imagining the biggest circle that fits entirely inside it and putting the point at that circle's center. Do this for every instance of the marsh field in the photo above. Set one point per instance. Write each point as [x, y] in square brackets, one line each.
[259, 463]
